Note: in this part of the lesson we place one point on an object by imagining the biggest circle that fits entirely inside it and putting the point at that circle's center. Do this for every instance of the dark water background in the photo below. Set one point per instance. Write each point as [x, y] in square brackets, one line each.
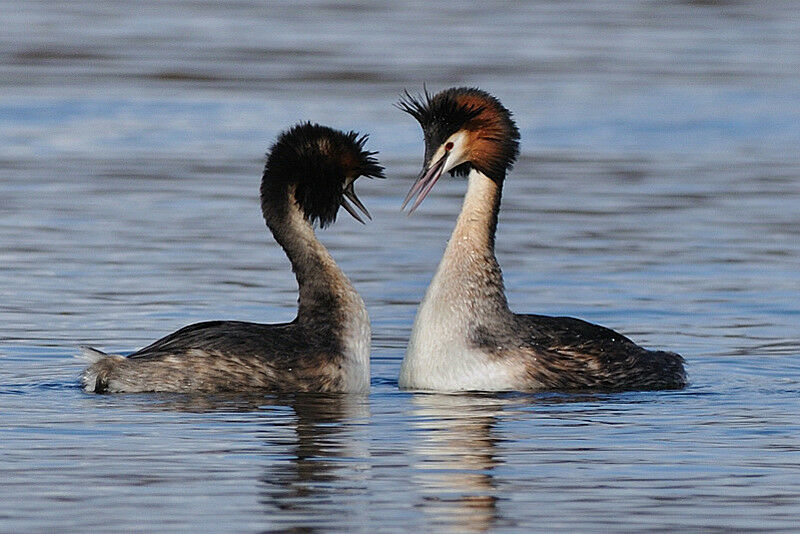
[658, 193]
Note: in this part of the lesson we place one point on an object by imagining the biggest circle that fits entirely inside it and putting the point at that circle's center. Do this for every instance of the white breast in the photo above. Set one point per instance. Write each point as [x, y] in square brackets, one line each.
[357, 338]
[439, 356]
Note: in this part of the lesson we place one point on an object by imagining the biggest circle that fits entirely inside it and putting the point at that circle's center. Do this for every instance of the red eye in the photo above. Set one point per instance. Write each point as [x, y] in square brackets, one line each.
[448, 146]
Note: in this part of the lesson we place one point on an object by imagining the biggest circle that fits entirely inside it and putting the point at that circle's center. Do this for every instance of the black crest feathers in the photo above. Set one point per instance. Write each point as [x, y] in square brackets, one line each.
[441, 109]
[494, 134]
[319, 162]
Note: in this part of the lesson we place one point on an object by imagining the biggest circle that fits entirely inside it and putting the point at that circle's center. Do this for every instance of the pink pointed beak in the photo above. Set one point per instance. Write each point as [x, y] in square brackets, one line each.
[424, 183]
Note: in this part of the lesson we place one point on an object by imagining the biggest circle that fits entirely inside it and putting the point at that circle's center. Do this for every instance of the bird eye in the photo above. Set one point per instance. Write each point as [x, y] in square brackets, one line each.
[449, 145]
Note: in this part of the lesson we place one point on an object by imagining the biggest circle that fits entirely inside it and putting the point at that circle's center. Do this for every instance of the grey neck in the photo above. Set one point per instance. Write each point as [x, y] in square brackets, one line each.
[324, 290]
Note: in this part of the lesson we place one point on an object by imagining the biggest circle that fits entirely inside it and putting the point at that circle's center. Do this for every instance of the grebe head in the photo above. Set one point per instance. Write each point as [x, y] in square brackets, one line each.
[464, 128]
[317, 166]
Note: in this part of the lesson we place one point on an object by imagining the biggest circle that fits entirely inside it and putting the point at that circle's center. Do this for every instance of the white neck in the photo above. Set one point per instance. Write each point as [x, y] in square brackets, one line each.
[469, 281]
[466, 291]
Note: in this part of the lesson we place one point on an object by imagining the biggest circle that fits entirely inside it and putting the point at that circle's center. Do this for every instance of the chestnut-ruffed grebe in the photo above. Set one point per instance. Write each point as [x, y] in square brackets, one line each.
[464, 335]
[309, 173]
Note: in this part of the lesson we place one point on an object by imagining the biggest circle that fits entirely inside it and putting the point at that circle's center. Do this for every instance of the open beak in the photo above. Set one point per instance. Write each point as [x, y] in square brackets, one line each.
[425, 182]
[349, 193]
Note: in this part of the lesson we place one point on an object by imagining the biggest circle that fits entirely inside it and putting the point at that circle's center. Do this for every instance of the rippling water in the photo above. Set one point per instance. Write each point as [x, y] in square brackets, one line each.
[657, 193]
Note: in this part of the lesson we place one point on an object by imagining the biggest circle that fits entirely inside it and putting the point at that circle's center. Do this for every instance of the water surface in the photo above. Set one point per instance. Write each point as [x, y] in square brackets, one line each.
[657, 194]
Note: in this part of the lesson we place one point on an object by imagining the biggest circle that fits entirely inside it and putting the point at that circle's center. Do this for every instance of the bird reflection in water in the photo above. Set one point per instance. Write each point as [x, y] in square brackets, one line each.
[315, 451]
[456, 458]
[324, 473]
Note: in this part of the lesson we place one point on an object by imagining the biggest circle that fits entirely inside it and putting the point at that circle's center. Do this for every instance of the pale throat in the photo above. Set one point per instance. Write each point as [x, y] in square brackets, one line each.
[477, 222]
[469, 270]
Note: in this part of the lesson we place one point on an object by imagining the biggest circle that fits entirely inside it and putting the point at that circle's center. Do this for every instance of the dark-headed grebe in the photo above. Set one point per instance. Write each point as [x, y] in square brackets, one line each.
[464, 336]
[309, 173]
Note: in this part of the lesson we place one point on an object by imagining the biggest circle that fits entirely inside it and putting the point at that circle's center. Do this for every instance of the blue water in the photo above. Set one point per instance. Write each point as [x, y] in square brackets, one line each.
[657, 194]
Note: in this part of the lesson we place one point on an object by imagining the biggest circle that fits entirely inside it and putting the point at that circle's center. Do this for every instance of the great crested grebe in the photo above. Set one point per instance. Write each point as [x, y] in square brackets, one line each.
[464, 336]
[309, 173]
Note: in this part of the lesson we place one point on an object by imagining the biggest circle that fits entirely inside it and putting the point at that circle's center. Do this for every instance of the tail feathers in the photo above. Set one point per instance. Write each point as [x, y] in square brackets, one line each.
[90, 354]
[95, 377]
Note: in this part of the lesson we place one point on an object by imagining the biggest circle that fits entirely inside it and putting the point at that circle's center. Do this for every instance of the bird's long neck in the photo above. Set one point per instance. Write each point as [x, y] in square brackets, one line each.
[325, 292]
[469, 278]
